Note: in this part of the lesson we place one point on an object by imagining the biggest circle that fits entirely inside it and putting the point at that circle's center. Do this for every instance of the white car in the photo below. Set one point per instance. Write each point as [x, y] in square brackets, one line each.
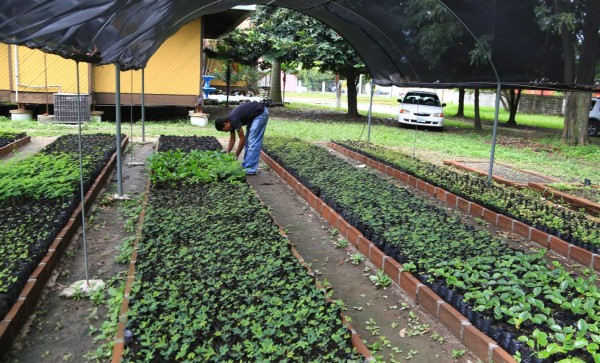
[594, 121]
[421, 108]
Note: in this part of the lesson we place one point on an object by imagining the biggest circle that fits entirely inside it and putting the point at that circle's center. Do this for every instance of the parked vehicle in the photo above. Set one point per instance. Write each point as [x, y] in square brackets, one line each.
[594, 121]
[421, 108]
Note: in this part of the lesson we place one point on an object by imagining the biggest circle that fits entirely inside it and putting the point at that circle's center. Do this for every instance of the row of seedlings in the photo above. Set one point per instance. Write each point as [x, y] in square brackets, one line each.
[536, 311]
[215, 281]
[524, 205]
[10, 137]
[37, 197]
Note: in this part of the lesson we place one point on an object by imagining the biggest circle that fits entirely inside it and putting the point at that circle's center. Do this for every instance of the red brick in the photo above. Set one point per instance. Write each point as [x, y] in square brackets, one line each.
[521, 229]
[476, 210]
[41, 273]
[430, 188]
[596, 262]
[490, 216]
[117, 355]
[559, 246]
[428, 300]
[499, 355]
[451, 199]
[333, 219]
[325, 211]
[310, 198]
[363, 246]
[410, 284]
[17, 315]
[360, 346]
[131, 269]
[134, 254]
[318, 205]
[441, 194]
[505, 222]
[463, 204]
[397, 174]
[353, 234]
[376, 256]
[539, 237]
[50, 259]
[381, 167]
[342, 227]
[392, 268]
[477, 342]
[404, 177]
[412, 181]
[580, 255]
[452, 319]
[421, 185]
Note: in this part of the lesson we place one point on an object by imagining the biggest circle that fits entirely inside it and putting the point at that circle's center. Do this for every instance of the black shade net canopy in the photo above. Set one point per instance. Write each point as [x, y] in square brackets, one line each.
[485, 42]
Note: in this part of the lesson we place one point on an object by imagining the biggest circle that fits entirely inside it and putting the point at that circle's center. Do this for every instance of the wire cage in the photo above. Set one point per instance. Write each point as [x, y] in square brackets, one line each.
[65, 108]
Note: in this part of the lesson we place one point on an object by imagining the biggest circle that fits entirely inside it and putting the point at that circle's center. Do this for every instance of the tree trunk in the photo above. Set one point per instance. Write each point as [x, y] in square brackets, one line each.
[275, 93]
[461, 103]
[283, 89]
[227, 82]
[577, 106]
[513, 105]
[477, 118]
[352, 81]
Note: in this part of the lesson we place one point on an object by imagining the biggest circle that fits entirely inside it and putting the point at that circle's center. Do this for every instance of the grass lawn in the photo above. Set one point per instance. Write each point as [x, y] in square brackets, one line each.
[546, 155]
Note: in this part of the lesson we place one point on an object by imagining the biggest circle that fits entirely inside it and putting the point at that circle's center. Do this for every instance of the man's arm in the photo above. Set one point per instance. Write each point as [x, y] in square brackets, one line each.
[241, 143]
[231, 141]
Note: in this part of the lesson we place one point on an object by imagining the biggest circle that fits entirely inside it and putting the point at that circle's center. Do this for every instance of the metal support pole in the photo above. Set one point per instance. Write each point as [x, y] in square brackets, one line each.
[494, 133]
[143, 109]
[118, 117]
[370, 112]
[85, 255]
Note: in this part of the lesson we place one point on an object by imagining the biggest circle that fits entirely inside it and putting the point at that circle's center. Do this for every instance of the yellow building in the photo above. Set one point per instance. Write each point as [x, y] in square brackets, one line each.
[172, 76]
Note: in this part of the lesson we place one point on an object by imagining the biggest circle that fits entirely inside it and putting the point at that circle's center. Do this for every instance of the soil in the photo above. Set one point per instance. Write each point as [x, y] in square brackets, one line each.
[507, 172]
[59, 332]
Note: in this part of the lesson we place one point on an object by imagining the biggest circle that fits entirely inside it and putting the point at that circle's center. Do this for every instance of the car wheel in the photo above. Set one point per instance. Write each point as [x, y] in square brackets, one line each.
[593, 126]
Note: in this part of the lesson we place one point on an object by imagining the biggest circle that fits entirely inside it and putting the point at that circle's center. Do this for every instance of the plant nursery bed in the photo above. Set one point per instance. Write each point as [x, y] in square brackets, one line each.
[40, 213]
[10, 142]
[515, 298]
[212, 265]
[576, 195]
[570, 233]
[502, 173]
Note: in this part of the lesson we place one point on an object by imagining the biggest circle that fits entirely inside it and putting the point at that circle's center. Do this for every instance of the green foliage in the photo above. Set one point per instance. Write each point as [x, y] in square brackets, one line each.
[516, 288]
[40, 176]
[172, 168]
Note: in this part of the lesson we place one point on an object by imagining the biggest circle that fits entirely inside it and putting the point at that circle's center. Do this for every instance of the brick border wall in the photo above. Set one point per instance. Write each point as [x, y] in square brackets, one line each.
[459, 164]
[119, 346]
[477, 342]
[544, 239]
[577, 202]
[26, 303]
[7, 149]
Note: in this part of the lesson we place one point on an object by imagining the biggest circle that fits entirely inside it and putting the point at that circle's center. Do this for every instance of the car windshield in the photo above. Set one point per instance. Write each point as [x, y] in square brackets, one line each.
[428, 99]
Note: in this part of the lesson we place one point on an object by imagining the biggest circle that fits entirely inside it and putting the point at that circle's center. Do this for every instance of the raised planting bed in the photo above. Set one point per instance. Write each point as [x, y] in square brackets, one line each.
[12, 141]
[525, 206]
[188, 143]
[502, 173]
[531, 309]
[215, 281]
[576, 195]
[39, 207]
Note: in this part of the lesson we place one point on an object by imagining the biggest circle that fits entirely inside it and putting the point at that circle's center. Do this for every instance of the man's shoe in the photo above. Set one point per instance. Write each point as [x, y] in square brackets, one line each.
[248, 172]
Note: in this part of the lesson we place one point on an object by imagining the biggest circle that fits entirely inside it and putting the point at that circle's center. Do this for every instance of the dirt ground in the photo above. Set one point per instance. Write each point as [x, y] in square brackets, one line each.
[60, 332]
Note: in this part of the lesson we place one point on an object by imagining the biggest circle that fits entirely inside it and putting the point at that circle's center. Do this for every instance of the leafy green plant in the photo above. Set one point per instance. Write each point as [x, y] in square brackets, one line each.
[380, 279]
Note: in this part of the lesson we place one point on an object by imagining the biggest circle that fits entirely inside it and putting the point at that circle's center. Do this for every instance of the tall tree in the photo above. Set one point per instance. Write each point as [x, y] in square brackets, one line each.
[460, 112]
[578, 23]
[512, 102]
[294, 36]
[477, 117]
